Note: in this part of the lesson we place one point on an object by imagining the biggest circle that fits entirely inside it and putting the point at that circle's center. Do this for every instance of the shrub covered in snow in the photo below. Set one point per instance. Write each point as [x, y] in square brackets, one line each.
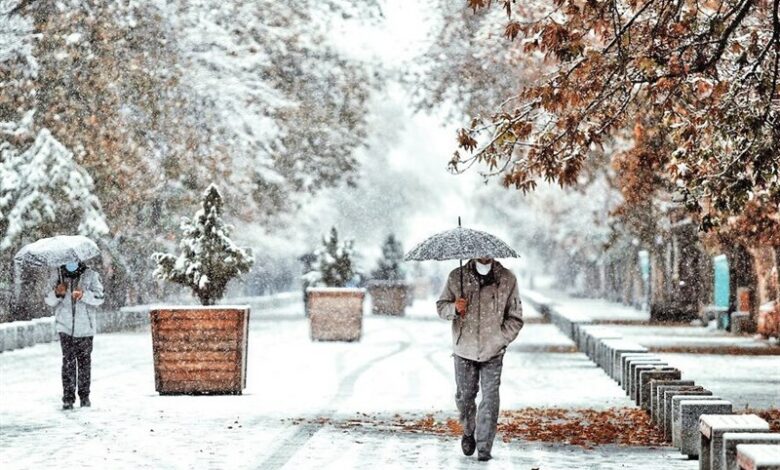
[208, 258]
[389, 267]
[334, 265]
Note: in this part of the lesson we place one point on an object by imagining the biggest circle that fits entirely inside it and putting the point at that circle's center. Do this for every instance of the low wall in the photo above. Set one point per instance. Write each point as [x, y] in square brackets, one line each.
[23, 334]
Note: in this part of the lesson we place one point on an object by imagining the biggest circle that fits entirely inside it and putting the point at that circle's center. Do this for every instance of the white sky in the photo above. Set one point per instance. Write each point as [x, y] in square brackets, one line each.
[415, 155]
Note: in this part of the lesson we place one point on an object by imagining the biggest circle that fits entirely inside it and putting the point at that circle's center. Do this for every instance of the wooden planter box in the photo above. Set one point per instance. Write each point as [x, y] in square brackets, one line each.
[388, 297]
[200, 350]
[335, 314]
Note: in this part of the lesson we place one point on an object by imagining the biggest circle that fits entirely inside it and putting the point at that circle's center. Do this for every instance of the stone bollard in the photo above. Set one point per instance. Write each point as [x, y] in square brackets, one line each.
[634, 370]
[657, 388]
[4, 339]
[712, 429]
[646, 379]
[11, 337]
[109, 321]
[732, 439]
[628, 358]
[612, 349]
[49, 330]
[25, 331]
[592, 338]
[657, 402]
[670, 406]
[39, 334]
[686, 428]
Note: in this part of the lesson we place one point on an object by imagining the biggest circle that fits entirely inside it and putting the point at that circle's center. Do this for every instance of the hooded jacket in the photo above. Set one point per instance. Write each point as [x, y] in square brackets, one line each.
[81, 321]
[494, 315]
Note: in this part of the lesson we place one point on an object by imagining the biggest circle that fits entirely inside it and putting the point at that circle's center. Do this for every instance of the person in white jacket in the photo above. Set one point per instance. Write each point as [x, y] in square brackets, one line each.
[74, 291]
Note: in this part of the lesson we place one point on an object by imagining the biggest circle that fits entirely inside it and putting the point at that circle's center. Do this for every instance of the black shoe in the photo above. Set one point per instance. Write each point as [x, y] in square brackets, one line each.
[85, 403]
[484, 456]
[468, 444]
[67, 406]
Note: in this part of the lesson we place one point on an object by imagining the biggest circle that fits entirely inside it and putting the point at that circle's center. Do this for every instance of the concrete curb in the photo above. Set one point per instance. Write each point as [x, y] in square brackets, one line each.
[23, 334]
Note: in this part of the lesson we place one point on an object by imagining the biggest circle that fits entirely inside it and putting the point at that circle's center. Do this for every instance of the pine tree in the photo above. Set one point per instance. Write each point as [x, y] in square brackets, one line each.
[208, 258]
[43, 190]
[334, 266]
[389, 267]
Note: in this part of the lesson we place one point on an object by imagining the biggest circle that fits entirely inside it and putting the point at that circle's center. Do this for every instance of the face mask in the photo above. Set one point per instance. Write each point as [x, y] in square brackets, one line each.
[71, 267]
[483, 269]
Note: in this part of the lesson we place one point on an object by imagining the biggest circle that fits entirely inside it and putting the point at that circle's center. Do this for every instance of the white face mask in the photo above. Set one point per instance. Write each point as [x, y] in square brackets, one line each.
[483, 269]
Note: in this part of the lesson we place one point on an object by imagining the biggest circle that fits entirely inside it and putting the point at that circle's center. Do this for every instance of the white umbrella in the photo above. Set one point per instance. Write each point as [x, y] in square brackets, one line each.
[56, 251]
[52, 252]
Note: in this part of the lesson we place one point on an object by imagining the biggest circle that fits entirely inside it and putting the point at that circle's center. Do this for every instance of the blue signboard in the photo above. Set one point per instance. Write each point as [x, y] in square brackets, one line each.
[721, 288]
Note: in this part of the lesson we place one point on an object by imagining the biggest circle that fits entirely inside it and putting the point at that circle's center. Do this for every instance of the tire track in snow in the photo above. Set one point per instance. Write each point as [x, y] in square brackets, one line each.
[301, 436]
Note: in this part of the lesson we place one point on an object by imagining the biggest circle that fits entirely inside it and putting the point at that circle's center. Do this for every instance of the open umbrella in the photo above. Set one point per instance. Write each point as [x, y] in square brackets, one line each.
[52, 252]
[56, 251]
[460, 243]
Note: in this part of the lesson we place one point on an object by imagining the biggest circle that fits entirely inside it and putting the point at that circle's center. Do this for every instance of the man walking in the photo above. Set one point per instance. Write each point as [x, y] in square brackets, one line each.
[73, 291]
[482, 301]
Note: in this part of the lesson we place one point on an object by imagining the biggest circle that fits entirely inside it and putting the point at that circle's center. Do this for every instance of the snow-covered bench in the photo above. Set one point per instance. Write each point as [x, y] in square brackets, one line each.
[712, 428]
[758, 456]
[732, 439]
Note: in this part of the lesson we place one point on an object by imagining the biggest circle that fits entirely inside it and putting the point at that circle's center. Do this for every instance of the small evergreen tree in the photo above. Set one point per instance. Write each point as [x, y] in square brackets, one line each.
[389, 267]
[208, 258]
[334, 265]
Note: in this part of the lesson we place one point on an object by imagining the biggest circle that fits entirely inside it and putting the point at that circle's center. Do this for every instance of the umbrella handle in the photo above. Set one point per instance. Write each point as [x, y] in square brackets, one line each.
[461, 269]
[461, 278]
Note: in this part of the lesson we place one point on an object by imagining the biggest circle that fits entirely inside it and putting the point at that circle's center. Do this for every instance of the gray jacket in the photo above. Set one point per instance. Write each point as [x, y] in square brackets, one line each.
[81, 322]
[494, 315]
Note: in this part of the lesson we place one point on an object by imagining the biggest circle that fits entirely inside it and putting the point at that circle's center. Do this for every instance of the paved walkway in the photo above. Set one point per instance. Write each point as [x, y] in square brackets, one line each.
[401, 365]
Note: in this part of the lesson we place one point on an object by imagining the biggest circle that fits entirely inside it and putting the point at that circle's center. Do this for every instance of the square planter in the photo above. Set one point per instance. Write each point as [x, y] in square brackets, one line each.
[335, 314]
[200, 350]
[388, 297]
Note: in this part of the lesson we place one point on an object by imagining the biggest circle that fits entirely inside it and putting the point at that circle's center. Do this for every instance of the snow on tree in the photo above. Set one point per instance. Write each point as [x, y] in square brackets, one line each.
[152, 96]
[43, 191]
[707, 71]
[389, 266]
[334, 265]
[208, 258]
[285, 104]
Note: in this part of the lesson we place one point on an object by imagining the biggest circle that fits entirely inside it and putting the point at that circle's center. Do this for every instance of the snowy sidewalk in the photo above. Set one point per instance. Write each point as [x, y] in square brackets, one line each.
[401, 366]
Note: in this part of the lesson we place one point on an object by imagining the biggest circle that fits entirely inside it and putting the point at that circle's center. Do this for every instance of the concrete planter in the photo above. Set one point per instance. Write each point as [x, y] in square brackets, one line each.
[388, 297]
[200, 350]
[335, 314]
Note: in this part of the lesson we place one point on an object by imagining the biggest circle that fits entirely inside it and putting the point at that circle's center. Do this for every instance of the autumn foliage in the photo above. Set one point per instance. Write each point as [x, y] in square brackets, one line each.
[703, 74]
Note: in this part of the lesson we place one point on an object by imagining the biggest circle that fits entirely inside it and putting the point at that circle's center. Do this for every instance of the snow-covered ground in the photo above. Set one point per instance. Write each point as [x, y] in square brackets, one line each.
[401, 365]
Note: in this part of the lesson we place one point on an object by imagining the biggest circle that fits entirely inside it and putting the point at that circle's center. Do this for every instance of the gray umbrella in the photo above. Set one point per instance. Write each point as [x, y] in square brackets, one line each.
[460, 243]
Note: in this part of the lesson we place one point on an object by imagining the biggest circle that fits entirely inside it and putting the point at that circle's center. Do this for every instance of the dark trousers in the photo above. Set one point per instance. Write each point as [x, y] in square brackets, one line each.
[76, 366]
[482, 421]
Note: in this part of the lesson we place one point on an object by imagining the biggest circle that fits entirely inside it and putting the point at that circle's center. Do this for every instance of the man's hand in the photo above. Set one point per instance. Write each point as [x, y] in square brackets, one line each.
[60, 290]
[461, 305]
[78, 294]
